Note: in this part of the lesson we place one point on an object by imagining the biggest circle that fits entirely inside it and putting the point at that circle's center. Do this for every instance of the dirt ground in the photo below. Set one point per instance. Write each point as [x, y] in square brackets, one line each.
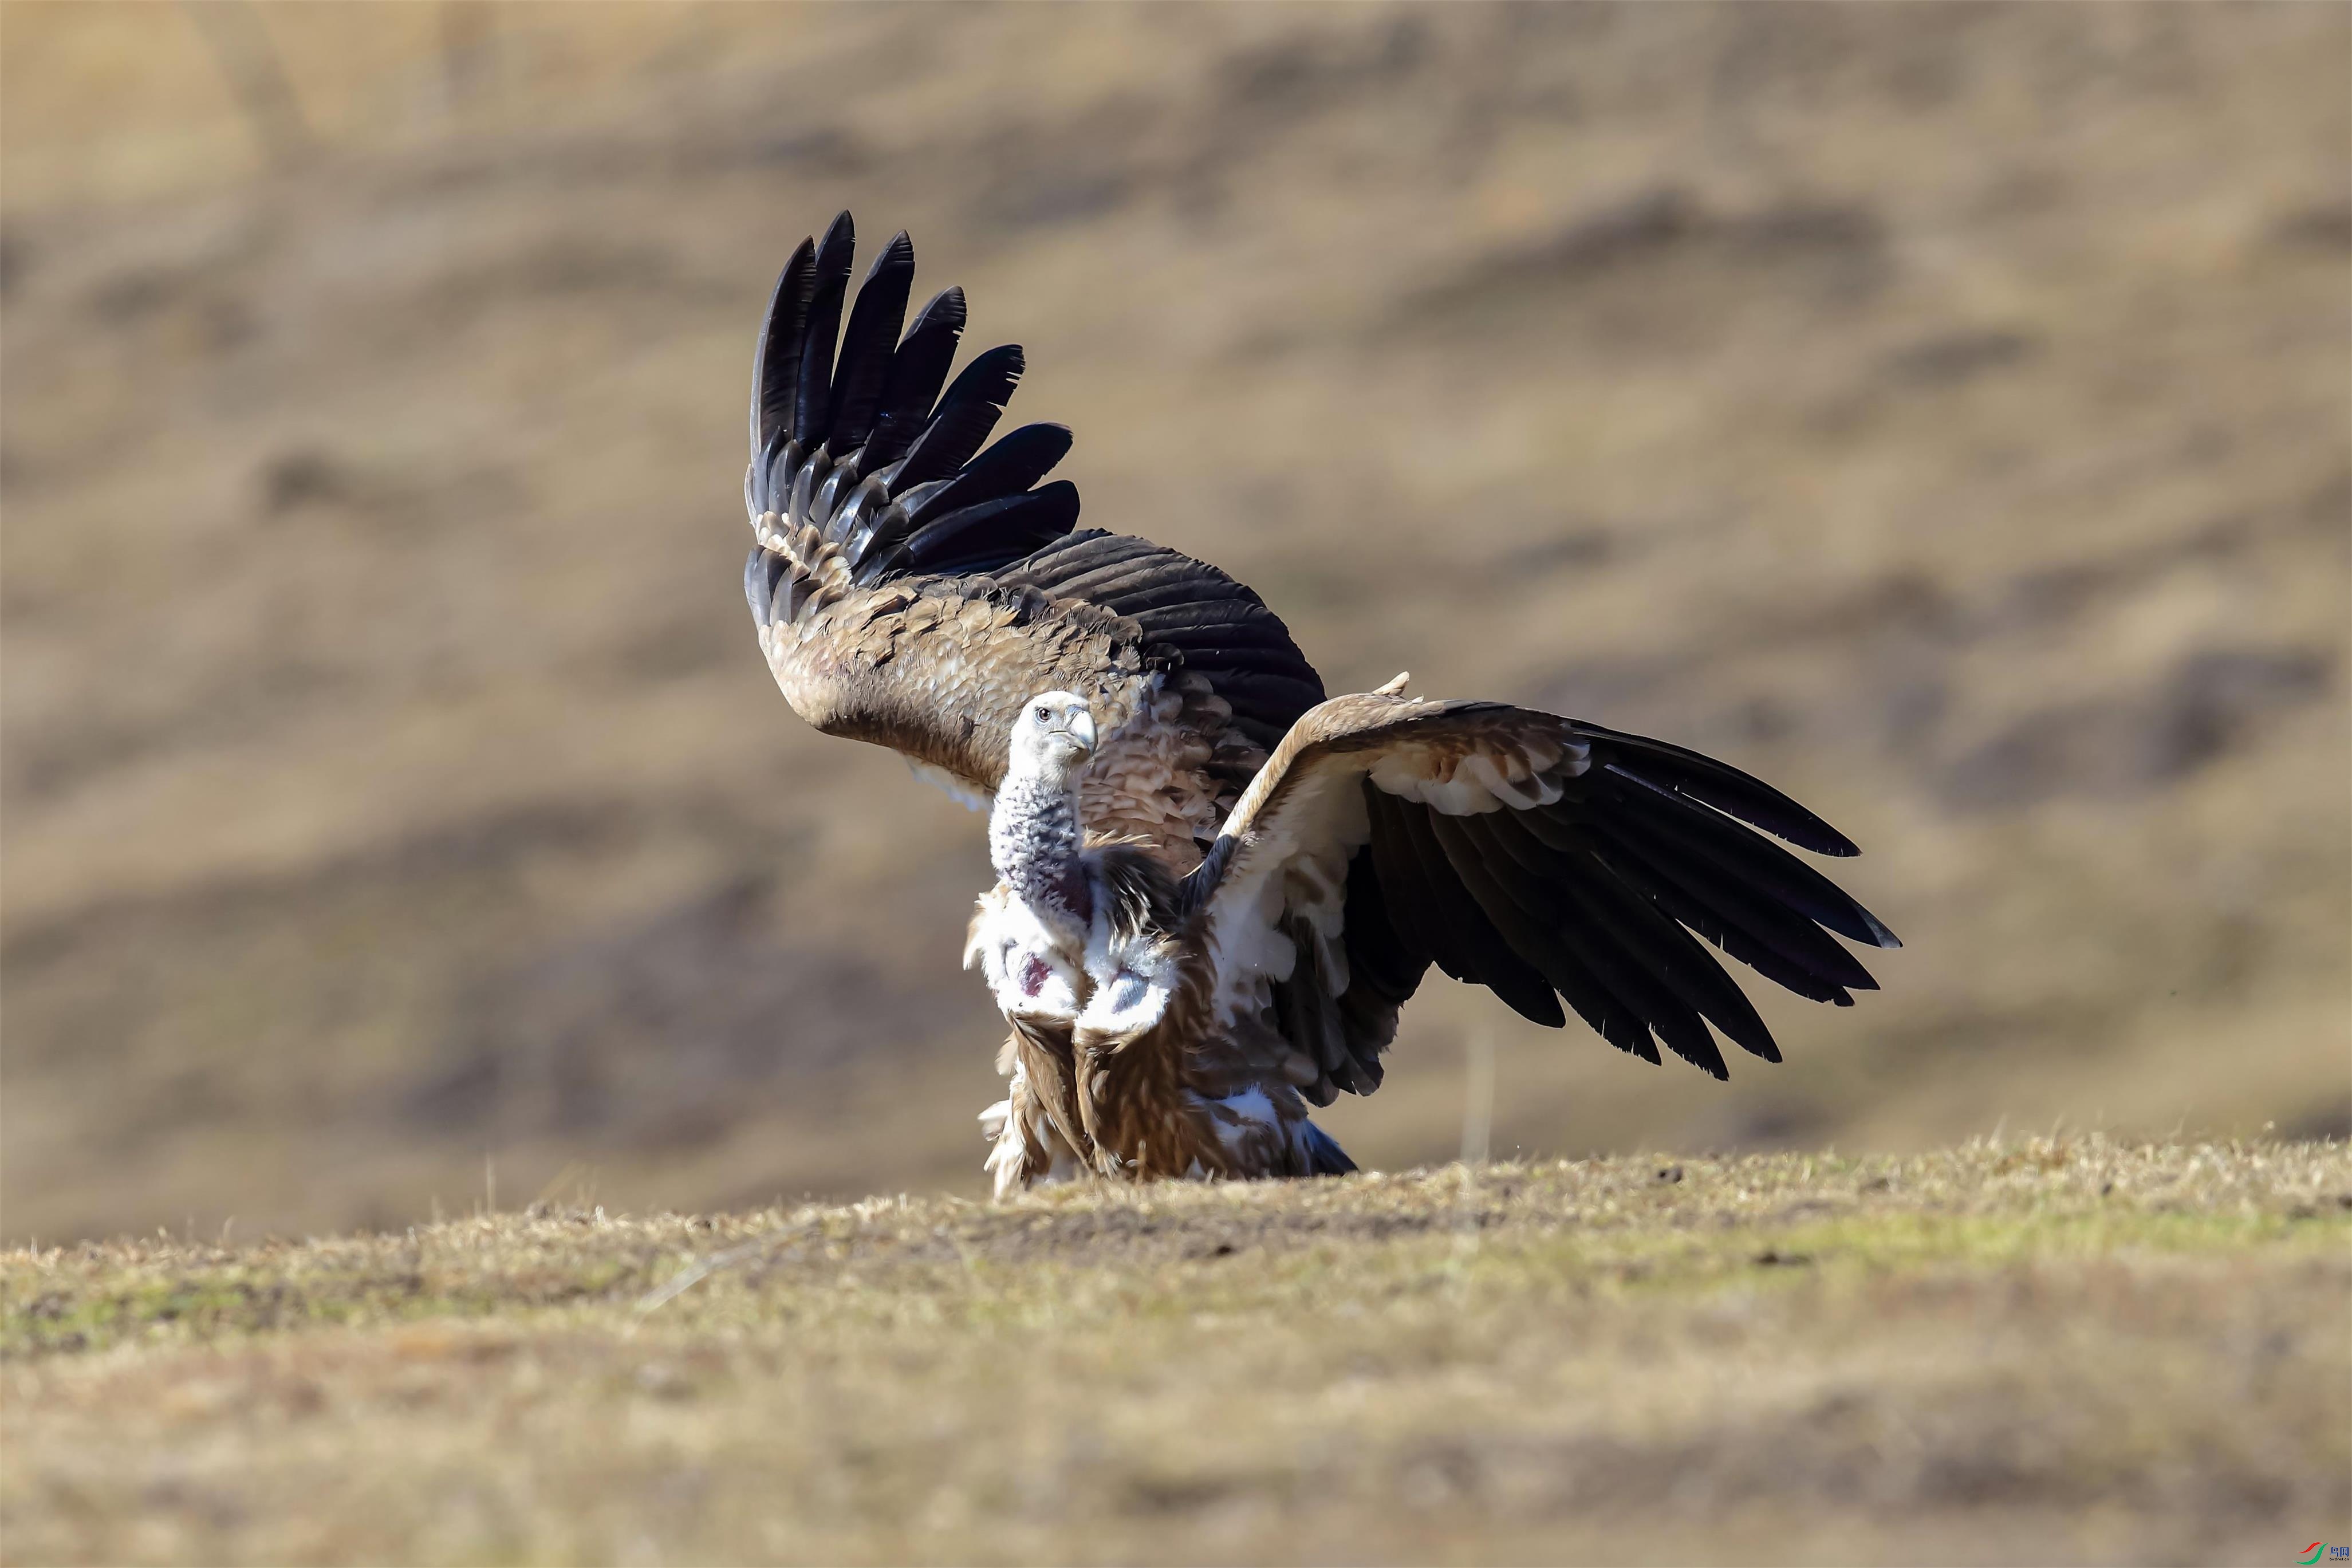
[1941, 410]
[2038, 1350]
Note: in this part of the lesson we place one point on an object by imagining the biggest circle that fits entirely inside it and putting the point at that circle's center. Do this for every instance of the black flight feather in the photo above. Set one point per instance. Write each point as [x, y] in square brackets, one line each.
[1204, 646]
[1671, 953]
[1614, 959]
[1708, 832]
[1407, 898]
[1721, 786]
[867, 345]
[1207, 615]
[1738, 941]
[1122, 579]
[811, 398]
[1668, 1010]
[1566, 862]
[1599, 949]
[1081, 552]
[965, 416]
[776, 361]
[1476, 950]
[1057, 566]
[1120, 582]
[918, 369]
[1608, 1014]
[1384, 972]
[1518, 918]
[1697, 896]
[1158, 593]
[1272, 660]
[1279, 698]
[991, 528]
[1650, 861]
[760, 575]
[1006, 469]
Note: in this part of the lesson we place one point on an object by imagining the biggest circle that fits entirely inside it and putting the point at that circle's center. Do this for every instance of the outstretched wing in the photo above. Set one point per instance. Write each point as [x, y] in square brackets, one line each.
[1546, 859]
[913, 589]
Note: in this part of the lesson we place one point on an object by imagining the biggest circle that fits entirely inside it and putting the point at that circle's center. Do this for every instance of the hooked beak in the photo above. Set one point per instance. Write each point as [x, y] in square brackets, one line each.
[1082, 731]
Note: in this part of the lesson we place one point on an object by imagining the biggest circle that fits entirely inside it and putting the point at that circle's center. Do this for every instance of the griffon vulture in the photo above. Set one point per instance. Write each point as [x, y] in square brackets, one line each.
[1218, 889]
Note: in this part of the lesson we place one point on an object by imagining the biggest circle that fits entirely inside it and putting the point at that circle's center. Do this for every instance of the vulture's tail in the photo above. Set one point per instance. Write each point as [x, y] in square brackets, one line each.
[1324, 1155]
[862, 469]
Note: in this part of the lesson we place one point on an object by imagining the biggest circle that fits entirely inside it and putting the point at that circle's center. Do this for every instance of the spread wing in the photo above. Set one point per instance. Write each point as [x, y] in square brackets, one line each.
[1546, 859]
[913, 588]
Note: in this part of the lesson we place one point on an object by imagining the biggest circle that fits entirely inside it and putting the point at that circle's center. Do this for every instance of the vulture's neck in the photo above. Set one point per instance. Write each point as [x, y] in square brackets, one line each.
[1037, 842]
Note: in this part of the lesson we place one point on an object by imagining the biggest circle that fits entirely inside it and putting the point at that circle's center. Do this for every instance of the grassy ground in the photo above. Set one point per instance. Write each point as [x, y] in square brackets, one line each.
[2047, 1351]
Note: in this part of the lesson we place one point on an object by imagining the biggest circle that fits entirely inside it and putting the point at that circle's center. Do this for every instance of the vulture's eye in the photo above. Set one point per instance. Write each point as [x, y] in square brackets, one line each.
[1043, 712]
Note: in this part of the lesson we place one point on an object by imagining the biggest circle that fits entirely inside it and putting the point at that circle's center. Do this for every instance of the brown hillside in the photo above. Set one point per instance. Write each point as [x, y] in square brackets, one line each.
[1942, 412]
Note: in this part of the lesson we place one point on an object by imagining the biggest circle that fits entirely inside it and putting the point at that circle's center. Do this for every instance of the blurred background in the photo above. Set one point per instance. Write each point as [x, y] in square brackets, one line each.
[1939, 410]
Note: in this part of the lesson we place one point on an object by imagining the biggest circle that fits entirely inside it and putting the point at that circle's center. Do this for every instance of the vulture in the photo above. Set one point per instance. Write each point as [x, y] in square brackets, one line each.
[1217, 887]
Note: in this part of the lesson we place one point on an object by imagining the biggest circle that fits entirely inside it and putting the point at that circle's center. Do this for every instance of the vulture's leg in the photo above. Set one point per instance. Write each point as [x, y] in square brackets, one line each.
[1029, 1150]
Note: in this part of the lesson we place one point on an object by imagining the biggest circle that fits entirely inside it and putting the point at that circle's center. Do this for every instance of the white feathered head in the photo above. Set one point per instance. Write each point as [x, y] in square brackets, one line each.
[1053, 736]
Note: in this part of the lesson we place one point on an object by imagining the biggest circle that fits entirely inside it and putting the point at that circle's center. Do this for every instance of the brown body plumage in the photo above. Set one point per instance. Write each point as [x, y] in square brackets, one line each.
[1158, 1102]
[915, 591]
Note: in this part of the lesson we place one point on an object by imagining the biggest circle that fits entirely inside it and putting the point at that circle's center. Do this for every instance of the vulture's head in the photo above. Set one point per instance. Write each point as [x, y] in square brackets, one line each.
[1053, 736]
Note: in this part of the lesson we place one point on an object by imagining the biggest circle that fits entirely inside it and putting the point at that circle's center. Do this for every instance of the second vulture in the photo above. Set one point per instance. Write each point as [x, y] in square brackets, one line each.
[1218, 888]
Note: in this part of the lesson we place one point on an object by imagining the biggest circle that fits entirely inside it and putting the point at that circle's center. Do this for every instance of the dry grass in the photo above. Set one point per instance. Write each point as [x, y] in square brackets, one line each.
[2043, 1350]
